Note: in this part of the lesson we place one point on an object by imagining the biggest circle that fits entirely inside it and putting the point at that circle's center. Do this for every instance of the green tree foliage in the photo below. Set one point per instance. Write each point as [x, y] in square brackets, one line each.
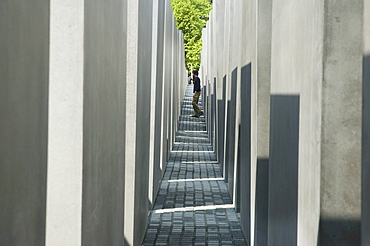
[191, 17]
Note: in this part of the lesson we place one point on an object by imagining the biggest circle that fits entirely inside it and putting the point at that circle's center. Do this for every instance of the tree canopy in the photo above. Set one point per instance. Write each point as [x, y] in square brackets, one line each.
[191, 17]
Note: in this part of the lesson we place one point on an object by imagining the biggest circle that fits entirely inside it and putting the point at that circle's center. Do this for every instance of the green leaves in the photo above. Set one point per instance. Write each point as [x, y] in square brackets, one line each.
[191, 17]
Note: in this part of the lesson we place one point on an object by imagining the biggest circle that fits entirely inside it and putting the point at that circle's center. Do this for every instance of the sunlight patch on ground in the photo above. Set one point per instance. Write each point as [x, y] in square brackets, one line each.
[210, 207]
[192, 151]
[191, 180]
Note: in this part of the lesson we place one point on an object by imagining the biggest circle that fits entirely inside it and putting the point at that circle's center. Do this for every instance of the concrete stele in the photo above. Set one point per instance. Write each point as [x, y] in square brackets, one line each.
[65, 143]
[24, 69]
[131, 102]
[340, 195]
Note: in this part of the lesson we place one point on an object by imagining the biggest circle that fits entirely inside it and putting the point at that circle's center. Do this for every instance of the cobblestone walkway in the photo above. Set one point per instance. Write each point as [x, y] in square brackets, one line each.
[193, 206]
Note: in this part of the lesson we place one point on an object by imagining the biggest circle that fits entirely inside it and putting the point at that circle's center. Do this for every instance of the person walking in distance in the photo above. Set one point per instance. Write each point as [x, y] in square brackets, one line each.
[196, 90]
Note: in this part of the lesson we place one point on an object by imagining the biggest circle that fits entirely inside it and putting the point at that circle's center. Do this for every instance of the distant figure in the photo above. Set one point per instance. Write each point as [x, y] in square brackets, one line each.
[190, 80]
[196, 90]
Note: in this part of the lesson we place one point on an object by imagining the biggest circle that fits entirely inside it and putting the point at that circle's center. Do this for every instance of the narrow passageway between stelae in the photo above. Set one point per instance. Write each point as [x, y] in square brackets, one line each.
[193, 206]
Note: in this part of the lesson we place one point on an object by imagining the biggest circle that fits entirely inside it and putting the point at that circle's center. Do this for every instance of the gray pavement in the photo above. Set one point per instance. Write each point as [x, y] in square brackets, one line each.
[193, 206]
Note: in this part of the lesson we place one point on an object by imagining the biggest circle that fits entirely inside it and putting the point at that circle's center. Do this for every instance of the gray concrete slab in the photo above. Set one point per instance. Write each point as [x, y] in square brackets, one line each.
[340, 184]
[283, 170]
[159, 90]
[166, 79]
[262, 70]
[231, 132]
[221, 125]
[24, 69]
[245, 155]
[137, 147]
[103, 133]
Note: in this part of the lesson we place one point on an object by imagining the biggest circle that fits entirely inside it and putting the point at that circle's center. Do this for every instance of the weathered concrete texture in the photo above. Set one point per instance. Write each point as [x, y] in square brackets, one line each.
[365, 209]
[231, 132]
[24, 49]
[104, 104]
[263, 76]
[261, 121]
[340, 198]
[283, 170]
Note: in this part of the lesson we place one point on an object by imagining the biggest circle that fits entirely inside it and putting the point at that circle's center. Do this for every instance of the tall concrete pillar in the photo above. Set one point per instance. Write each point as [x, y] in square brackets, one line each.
[217, 16]
[158, 167]
[104, 123]
[154, 178]
[325, 56]
[172, 86]
[63, 74]
[166, 80]
[24, 69]
[254, 119]
[65, 135]
[226, 79]
[264, 27]
[139, 48]
[340, 199]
